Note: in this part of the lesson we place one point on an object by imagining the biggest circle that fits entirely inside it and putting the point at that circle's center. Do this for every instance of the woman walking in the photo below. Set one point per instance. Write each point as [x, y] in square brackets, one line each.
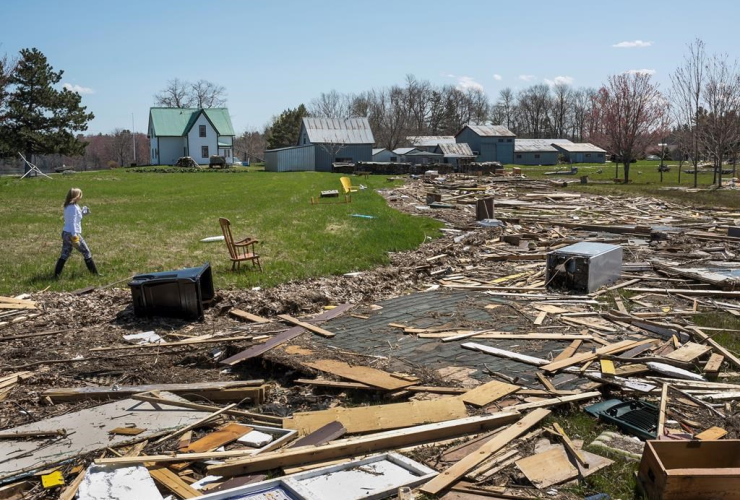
[72, 232]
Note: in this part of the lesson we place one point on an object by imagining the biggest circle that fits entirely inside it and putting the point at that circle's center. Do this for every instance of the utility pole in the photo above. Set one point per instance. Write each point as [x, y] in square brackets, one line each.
[133, 135]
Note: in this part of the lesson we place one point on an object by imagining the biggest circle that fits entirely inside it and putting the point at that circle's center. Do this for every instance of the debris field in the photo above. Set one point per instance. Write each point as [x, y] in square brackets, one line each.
[441, 372]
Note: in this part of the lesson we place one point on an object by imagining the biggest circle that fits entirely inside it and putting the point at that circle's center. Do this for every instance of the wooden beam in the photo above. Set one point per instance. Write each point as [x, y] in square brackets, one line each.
[331, 451]
[556, 401]
[570, 446]
[195, 406]
[239, 314]
[173, 483]
[720, 349]
[362, 374]
[489, 392]
[442, 481]
[590, 356]
[545, 381]
[661, 415]
[179, 343]
[683, 291]
[196, 424]
[569, 351]
[204, 389]
[315, 329]
[714, 364]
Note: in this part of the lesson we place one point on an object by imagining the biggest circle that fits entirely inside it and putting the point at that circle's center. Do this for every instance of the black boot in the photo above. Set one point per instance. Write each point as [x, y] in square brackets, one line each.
[91, 266]
[58, 269]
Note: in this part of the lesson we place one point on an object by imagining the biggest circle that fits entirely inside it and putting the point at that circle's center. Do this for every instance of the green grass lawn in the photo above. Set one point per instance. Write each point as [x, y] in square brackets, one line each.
[645, 182]
[144, 222]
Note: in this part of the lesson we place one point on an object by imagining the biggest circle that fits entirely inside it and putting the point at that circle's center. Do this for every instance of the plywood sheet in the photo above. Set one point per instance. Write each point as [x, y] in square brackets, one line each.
[548, 468]
[488, 393]
[225, 435]
[380, 417]
[364, 374]
[689, 352]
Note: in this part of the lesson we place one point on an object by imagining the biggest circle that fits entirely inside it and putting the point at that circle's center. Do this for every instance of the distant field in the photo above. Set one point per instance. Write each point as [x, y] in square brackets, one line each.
[645, 182]
[143, 222]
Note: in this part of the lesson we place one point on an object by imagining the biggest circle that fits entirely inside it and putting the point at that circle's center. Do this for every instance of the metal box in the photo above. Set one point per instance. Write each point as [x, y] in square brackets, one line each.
[179, 294]
[584, 267]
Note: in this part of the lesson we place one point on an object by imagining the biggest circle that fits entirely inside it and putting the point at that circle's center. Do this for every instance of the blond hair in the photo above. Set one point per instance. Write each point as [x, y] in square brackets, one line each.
[73, 196]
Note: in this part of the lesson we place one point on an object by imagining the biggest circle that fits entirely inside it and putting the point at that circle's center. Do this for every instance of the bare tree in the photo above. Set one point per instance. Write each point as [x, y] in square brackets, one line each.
[331, 105]
[250, 145]
[332, 149]
[533, 104]
[631, 109]
[7, 67]
[205, 94]
[561, 106]
[505, 106]
[687, 87]
[418, 98]
[119, 147]
[176, 94]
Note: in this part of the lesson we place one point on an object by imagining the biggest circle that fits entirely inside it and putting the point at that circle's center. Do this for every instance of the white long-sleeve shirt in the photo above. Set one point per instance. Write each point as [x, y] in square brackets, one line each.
[73, 219]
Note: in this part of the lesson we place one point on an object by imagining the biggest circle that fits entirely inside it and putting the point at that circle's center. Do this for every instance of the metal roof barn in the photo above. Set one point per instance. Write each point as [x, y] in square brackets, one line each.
[580, 147]
[337, 131]
[430, 140]
[490, 130]
[456, 150]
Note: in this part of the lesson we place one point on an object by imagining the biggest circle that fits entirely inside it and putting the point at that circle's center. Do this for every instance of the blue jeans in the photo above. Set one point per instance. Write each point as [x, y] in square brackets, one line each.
[68, 245]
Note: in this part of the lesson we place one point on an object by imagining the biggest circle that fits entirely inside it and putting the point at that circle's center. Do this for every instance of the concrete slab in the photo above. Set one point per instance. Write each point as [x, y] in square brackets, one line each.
[118, 483]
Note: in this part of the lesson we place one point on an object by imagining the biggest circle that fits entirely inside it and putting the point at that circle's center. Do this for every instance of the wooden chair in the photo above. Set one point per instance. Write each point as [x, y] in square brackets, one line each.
[239, 251]
[347, 185]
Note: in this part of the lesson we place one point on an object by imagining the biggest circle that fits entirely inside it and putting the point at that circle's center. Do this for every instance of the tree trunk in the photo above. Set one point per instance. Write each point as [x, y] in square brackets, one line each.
[627, 171]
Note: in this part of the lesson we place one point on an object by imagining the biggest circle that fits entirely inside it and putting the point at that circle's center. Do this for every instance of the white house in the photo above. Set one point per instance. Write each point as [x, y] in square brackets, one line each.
[194, 132]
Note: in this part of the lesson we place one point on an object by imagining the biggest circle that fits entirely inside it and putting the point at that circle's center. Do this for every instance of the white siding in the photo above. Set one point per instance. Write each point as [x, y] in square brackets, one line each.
[170, 149]
[195, 142]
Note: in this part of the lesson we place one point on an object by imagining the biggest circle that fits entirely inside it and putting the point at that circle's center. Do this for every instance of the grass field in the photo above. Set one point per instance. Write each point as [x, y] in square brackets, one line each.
[144, 222]
[645, 182]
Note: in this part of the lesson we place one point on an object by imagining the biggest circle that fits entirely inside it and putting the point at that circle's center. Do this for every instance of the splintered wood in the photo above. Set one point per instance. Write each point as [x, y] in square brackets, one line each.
[362, 374]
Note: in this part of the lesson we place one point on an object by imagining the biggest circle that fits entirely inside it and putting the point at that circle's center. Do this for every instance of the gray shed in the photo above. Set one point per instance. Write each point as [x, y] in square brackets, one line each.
[455, 153]
[429, 142]
[488, 142]
[535, 152]
[581, 152]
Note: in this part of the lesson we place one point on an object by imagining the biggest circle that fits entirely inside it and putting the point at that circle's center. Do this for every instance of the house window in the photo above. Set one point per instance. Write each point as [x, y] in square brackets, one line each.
[202, 130]
[508, 140]
[394, 159]
[500, 140]
[600, 155]
[536, 156]
[204, 151]
[304, 140]
[228, 153]
[519, 156]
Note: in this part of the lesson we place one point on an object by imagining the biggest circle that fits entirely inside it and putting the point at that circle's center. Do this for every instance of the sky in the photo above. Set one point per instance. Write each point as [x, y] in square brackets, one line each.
[272, 55]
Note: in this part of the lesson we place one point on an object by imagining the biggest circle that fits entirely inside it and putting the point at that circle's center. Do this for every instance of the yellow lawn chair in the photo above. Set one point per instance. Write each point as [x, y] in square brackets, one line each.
[347, 185]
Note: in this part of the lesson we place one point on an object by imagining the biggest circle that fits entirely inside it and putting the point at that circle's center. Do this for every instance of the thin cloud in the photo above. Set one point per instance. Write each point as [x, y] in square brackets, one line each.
[636, 44]
[79, 89]
[640, 71]
[526, 78]
[465, 82]
[497, 77]
[559, 80]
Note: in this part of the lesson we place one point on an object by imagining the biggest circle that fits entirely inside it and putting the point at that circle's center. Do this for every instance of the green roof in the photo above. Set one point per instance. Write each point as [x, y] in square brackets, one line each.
[178, 121]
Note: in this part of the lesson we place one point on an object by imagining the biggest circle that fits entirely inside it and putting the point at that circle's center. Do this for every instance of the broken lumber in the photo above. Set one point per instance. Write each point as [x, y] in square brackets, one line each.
[362, 374]
[178, 343]
[239, 314]
[379, 417]
[711, 434]
[195, 425]
[207, 390]
[489, 392]
[336, 449]
[661, 411]
[195, 406]
[329, 432]
[570, 446]
[590, 356]
[458, 470]
[307, 326]
[173, 482]
[717, 347]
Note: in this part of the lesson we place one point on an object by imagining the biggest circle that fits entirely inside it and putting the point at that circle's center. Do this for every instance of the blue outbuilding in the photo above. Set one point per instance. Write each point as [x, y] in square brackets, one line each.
[323, 141]
[488, 142]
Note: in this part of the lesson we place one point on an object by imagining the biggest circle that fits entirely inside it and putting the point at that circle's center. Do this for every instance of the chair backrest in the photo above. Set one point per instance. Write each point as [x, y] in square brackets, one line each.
[346, 184]
[226, 229]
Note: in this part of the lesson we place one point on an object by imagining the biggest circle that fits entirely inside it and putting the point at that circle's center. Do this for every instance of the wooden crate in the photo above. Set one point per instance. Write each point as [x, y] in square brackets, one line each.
[691, 470]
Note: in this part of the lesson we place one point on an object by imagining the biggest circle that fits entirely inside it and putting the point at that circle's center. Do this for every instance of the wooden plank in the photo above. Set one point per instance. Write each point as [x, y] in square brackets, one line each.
[327, 433]
[363, 374]
[684, 291]
[488, 393]
[379, 417]
[458, 470]
[136, 449]
[718, 348]
[239, 314]
[555, 401]
[336, 449]
[201, 407]
[205, 389]
[71, 490]
[540, 318]
[315, 329]
[225, 435]
[548, 468]
[661, 414]
[689, 352]
[197, 424]
[545, 381]
[569, 351]
[570, 446]
[711, 434]
[281, 338]
[178, 343]
[590, 356]
[508, 336]
[714, 364]
[172, 482]
[126, 431]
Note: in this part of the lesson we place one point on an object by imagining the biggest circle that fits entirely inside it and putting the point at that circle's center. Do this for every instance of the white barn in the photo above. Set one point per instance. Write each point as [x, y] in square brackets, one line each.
[194, 132]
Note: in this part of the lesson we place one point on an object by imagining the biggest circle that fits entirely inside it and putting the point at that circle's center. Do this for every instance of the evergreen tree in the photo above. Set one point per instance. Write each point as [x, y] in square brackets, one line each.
[40, 119]
[285, 128]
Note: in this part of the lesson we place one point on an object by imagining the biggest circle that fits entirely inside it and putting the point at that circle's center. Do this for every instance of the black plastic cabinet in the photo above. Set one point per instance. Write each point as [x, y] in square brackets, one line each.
[176, 294]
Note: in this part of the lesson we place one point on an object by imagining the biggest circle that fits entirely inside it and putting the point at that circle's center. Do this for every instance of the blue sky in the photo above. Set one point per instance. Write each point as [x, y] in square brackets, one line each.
[273, 55]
